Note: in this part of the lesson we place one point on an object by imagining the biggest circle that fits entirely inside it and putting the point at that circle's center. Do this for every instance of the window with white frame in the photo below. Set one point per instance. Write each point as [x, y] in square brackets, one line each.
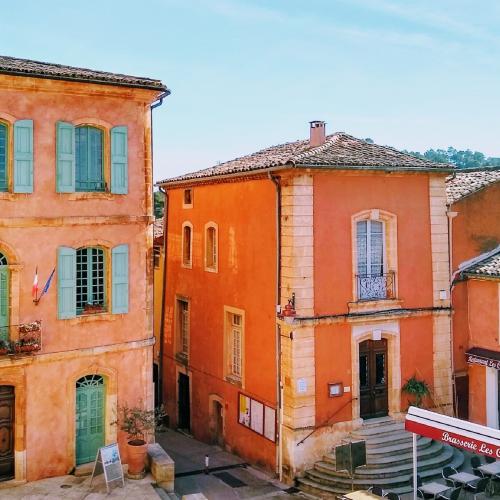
[235, 342]
[183, 327]
[187, 244]
[236, 348]
[211, 247]
[90, 279]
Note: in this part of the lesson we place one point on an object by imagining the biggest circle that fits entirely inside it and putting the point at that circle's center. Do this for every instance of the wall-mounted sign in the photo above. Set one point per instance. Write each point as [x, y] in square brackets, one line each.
[335, 389]
[108, 461]
[257, 416]
[483, 357]
[301, 385]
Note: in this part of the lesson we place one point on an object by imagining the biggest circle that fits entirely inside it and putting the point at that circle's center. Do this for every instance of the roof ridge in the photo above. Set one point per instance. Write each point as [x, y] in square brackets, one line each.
[329, 141]
[477, 260]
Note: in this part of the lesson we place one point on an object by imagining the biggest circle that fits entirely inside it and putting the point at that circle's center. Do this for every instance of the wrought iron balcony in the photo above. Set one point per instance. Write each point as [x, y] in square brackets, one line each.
[21, 339]
[376, 286]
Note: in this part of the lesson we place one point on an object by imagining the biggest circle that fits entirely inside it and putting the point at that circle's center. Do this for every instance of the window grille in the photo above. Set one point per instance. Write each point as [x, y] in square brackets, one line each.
[90, 278]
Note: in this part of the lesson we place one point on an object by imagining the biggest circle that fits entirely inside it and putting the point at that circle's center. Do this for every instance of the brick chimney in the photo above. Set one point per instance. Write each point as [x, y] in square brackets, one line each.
[317, 133]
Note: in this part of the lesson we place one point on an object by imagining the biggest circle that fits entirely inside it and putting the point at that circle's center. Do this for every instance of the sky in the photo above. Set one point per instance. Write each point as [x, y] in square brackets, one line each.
[247, 74]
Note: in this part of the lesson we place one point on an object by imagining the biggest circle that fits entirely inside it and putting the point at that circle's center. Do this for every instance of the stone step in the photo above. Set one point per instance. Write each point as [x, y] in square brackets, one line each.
[398, 481]
[396, 455]
[397, 437]
[365, 432]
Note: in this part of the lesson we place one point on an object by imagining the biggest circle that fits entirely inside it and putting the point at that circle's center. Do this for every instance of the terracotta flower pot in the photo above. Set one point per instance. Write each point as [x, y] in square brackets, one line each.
[136, 452]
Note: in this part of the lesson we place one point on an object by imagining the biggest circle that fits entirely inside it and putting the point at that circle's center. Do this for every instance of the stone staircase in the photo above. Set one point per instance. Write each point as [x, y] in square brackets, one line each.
[389, 462]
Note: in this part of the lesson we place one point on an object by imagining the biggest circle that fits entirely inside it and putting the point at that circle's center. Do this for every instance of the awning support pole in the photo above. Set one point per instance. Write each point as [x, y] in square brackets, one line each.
[414, 438]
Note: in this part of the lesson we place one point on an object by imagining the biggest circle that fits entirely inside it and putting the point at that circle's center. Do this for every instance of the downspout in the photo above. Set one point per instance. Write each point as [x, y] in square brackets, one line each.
[156, 104]
[163, 295]
[279, 384]
[451, 215]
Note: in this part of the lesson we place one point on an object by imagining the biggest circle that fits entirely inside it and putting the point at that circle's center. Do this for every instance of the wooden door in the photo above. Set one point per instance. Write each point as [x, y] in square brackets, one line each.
[6, 432]
[89, 417]
[373, 378]
[462, 390]
[184, 421]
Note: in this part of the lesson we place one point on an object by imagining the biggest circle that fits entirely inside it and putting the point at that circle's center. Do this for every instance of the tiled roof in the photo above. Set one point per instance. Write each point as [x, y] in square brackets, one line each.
[340, 150]
[463, 184]
[158, 228]
[26, 67]
[488, 266]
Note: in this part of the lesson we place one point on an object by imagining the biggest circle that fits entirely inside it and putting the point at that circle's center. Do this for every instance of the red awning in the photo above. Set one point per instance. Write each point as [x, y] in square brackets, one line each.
[454, 431]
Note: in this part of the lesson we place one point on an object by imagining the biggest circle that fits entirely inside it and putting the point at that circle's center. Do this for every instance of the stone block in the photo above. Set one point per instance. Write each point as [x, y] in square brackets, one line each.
[162, 467]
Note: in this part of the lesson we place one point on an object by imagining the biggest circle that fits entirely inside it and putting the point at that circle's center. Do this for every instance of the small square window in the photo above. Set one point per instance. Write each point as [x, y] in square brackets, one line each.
[188, 198]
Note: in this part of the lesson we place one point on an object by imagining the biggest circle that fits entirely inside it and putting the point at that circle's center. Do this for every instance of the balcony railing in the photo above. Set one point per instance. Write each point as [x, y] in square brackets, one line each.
[21, 339]
[376, 286]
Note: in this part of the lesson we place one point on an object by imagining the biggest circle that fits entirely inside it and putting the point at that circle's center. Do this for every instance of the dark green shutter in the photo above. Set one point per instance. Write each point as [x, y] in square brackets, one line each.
[23, 156]
[119, 273]
[119, 160]
[65, 139]
[66, 282]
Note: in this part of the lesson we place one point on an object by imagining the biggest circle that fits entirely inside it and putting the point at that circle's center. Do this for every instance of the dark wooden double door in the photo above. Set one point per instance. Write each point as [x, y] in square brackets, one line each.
[6, 432]
[373, 378]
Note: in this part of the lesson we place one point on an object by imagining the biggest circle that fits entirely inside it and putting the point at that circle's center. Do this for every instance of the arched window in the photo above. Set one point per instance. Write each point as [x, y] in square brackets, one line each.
[211, 247]
[89, 174]
[187, 244]
[90, 280]
[4, 142]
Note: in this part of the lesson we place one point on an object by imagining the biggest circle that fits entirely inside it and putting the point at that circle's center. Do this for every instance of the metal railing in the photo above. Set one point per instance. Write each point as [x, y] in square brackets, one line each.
[376, 286]
[25, 338]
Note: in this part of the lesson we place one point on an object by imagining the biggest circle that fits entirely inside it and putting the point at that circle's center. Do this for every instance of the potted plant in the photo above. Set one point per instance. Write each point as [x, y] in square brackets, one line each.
[92, 308]
[137, 423]
[417, 388]
[4, 346]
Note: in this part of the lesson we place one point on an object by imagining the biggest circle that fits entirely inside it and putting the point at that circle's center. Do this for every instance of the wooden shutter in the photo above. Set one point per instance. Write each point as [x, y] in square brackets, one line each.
[66, 282]
[65, 139]
[23, 156]
[119, 272]
[119, 160]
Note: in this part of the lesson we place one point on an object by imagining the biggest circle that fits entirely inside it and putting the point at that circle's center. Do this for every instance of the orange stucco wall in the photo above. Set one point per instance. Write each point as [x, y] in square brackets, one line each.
[246, 279]
[32, 227]
[477, 394]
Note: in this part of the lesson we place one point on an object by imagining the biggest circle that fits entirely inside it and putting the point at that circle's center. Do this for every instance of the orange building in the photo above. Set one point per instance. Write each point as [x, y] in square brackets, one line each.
[474, 199]
[350, 240]
[75, 196]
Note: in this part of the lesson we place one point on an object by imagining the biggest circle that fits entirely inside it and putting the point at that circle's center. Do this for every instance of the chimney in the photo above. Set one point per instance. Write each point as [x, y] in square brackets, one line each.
[317, 133]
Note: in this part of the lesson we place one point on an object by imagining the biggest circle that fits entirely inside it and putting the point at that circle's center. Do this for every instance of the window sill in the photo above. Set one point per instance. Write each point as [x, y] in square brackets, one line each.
[187, 266]
[89, 318]
[211, 269]
[9, 196]
[89, 196]
[234, 380]
[374, 305]
[181, 358]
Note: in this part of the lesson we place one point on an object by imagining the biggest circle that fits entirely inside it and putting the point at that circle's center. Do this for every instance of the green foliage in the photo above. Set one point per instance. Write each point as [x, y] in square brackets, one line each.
[417, 388]
[159, 203]
[138, 422]
[461, 159]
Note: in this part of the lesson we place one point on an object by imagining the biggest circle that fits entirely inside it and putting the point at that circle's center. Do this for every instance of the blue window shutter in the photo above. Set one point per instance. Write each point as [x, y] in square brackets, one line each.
[66, 282]
[65, 139]
[119, 160]
[119, 273]
[23, 156]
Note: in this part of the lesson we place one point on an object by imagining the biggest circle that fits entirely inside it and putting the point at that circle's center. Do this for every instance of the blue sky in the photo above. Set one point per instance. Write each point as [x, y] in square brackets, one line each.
[248, 74]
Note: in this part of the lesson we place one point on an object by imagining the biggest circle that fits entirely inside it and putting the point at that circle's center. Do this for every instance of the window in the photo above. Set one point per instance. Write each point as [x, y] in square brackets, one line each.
[182, 328]
[211, 247]
[187, 244]
[156, 256]
[89, 174]
[16, 163]
[375, 255]
[187, 201]
[90, 280]
[234, 345]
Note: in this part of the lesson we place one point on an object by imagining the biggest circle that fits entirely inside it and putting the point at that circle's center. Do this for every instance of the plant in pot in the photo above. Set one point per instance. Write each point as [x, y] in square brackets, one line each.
[138, 423]
[419, 389]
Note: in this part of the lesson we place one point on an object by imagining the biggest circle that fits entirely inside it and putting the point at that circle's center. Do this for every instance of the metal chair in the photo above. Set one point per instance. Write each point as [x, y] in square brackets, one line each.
[490, 460]
[475, 462]
[453, 495]
[447, 472]
[376, 490]
[420, 493]
[392, 496]
[478, 487]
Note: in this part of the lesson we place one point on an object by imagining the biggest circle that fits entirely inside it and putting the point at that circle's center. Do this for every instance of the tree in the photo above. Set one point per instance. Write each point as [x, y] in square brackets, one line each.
[159, 203]
[461, 159]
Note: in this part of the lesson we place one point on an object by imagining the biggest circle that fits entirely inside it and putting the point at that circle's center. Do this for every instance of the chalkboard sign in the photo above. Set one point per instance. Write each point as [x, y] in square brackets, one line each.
[108, 461]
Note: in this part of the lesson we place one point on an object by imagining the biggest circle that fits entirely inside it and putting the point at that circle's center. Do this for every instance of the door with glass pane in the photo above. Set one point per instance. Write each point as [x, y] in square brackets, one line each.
[89, 417]
[373, 378]
[4, 298]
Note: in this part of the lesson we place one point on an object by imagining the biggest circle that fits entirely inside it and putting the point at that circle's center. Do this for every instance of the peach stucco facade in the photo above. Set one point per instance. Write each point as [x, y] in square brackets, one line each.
[315, 359]
[118, 347]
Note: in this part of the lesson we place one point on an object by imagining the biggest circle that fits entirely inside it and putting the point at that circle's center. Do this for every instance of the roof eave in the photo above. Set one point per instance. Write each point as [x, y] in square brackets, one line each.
[160, 88]
[385, 168]
[481, 276]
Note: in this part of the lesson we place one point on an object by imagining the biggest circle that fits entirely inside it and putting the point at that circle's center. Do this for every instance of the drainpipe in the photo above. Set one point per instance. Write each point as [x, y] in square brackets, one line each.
[451, 215]
[279, 384]
[163, 294]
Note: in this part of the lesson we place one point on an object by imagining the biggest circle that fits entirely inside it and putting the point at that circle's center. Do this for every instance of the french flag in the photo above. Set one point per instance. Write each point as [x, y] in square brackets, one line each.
[34, 290]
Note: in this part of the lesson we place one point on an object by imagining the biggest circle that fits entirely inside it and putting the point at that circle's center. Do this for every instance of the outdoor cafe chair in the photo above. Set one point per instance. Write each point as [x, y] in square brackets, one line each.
[478, 487]
[490, 460]
[392, 496]
[376, 490]
[475, 462]
[447, 472]
[453, 495]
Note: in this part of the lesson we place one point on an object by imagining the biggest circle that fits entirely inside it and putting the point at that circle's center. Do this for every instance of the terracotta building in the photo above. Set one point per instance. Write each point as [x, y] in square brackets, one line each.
[474, 199]
[305, 284]
[75, 196]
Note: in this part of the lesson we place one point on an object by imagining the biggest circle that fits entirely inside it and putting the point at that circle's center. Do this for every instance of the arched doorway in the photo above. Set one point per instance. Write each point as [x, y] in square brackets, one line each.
[89, 417]
[7, 404]
[4, 298]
